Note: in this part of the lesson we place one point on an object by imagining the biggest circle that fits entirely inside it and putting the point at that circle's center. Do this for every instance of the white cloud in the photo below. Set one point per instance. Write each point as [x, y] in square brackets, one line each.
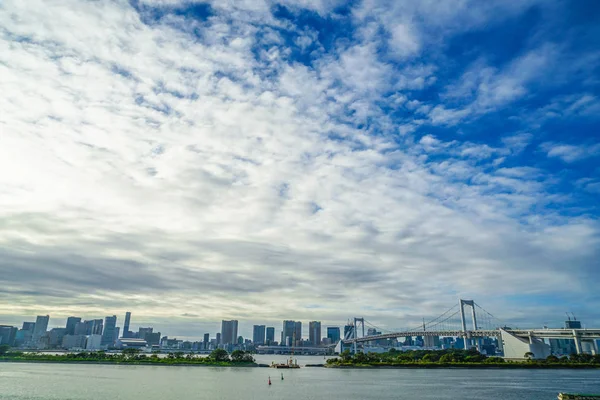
[570, 153]
[144, 168]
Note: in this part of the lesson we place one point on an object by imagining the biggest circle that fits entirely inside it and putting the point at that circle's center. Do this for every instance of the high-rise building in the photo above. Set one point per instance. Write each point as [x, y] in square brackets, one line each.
[298, 331]
[108, 336]
[56, 336]
[287, 333]
[142, 332]
[218, 339]
[314, 333]
[572, 324]
[270, 335]
[229, 331]
[126, 331]
[93, 327]
[80, 328]
[8, 334]
[71, 323]
[206, 341]
[348, 328]
[258, 334]
[333, 334]
[41, 326]
[28, 326]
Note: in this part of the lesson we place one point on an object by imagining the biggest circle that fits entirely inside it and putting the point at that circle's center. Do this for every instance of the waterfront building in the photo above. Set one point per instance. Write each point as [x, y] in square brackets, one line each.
[314, 333]
[288, 332]
[333, 334]
[55, 337]
[109, 335]
[8, 334]
[76, 342]
[270, 335]
[142, 332]
[94, 342]
[91, 327]
[126, 331]
[218, 339]
[41, 326]
[153, 339]
[28, 326]
[298, 332]
[71, 323]
[131, 343]
[258, 334]
[229, 332]
[206, 344]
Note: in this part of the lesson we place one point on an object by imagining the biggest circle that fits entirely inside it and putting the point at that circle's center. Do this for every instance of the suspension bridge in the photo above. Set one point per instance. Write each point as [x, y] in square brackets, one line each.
[472, 327]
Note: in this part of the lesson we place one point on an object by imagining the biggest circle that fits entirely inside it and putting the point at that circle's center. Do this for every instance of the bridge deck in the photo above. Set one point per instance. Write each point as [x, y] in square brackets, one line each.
[540, 333]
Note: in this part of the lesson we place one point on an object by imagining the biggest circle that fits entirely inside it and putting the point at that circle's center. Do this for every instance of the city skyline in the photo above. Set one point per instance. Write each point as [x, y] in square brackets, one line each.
[193, 162]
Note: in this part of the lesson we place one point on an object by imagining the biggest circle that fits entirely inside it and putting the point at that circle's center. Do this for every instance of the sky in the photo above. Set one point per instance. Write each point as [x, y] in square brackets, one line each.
[313, 160]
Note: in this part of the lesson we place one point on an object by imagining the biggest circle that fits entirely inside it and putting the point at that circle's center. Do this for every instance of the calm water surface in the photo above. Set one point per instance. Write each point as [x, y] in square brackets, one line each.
[59, 381]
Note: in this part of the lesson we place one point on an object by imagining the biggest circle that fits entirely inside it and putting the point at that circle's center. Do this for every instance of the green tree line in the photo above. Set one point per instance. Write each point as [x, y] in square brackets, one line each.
[132, 356]
[454, 357]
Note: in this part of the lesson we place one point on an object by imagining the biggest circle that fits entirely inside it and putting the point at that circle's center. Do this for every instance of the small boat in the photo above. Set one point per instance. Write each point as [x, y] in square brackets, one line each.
[282, 376]
[576, 396]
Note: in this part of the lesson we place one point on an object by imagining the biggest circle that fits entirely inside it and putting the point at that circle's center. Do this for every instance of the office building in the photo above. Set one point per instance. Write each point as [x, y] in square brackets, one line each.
[126, 331]
[41, 326]
[109, 335]
[229, 332]
[288, 332]
[55, 337]
[270, 335]
[258, 334]
[142, 332]
[572, 324]
[153, 339]
[8, 334]
[71, 323]
[314, 333]
[28, 326]
[74, 342]
[94, 342]
[348, 328]
[91, 327]
[206, 342]
[218, 339]
[298, 332]
[333, 334]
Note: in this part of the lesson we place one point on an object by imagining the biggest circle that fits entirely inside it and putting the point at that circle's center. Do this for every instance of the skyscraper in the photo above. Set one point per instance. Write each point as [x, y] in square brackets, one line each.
[258, 334]
[71, 323]
[314, 332]
[41, 326]
[108, 336]
[218, 339]
[126, 331]
[206, 341]
[8, 334]
[287, 333]
[143, 332]
[298, 331]
[333, 333]
[270, 335]
[229, 331]
[93, 327]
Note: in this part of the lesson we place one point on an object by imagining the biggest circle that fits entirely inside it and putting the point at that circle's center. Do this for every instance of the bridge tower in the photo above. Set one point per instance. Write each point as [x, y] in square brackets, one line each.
[362, 323]
[471, 304]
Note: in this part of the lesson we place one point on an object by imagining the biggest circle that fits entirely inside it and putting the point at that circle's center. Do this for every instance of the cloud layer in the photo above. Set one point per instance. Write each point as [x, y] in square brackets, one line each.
[311, 160]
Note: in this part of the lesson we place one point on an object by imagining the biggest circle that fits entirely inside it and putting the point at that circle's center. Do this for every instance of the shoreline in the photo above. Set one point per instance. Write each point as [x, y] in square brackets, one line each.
[466, 366]
[136, 363]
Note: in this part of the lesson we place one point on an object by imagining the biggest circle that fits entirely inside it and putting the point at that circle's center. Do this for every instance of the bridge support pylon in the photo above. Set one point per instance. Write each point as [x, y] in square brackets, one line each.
[462, 303]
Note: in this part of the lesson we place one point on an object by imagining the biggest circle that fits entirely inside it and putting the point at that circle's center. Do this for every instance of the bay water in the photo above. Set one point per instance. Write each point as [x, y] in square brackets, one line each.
[30, 381]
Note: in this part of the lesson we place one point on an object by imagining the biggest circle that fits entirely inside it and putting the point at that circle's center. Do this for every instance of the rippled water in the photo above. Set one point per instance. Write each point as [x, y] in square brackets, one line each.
[77, 381]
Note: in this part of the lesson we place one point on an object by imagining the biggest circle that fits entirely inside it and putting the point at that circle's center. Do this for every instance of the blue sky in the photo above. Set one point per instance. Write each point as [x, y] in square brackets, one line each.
[191, 161]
